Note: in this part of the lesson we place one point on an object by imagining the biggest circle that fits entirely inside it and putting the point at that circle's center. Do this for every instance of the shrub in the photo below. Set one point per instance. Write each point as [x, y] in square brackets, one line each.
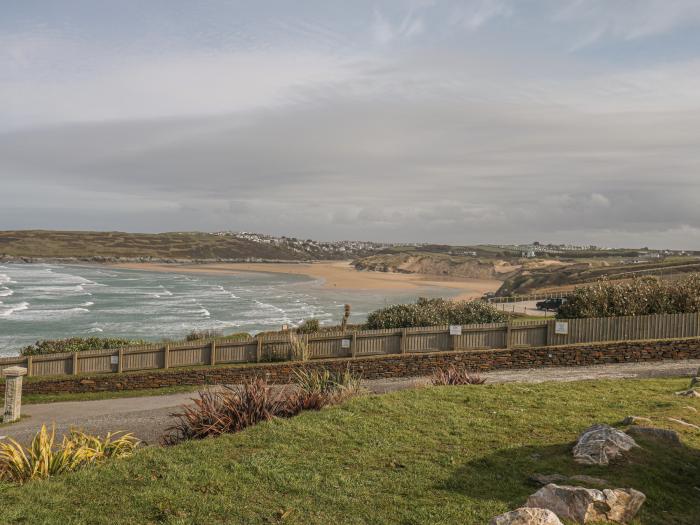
[335, 384]
[300, 348]
[42, 459]
[434, 312]
[639, 296]
[196, 335]
[310, 326]
[456, 376]
[77, 344]
[230, 409]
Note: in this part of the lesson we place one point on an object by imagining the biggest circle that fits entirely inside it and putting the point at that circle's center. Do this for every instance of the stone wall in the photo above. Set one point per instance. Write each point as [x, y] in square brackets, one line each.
[399, 365]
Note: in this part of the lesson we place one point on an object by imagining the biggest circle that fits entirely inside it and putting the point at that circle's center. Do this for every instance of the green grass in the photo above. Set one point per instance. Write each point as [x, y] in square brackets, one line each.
[34, 399]
[436, 455]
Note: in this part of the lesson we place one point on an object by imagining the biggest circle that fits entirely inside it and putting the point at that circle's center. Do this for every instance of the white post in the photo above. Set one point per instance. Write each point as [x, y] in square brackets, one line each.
[13, 393]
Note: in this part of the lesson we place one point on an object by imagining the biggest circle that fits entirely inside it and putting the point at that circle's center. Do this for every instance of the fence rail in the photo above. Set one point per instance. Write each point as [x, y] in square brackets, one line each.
[362, 343]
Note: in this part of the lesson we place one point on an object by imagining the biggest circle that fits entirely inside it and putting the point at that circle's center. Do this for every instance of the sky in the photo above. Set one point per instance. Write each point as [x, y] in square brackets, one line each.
[484, 121]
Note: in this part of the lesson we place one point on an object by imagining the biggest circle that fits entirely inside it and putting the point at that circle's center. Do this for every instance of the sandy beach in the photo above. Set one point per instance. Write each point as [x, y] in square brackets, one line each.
[336, 274]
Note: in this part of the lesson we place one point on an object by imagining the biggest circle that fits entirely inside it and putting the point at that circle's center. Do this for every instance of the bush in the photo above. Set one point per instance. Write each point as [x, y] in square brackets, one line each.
[42, 459]
[310, 326]
[231, 409]
[77, 344]
[197, 335]
[434, 312]
[336, 385]
[456, 376]
[640, 296]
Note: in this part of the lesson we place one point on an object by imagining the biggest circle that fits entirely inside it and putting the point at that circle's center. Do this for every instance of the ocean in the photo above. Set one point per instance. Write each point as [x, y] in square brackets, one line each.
[47, 301]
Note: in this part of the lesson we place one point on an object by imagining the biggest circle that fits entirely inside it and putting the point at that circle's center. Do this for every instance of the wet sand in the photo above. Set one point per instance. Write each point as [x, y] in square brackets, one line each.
[339, 275]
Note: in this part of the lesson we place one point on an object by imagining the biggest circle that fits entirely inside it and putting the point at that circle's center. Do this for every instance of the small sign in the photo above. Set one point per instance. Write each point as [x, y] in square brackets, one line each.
[345, 343]
[114, 359]
[455, 329]
[561, 328]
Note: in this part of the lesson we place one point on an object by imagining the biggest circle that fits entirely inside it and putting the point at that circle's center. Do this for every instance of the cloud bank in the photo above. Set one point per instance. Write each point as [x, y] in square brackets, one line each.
[431, 121]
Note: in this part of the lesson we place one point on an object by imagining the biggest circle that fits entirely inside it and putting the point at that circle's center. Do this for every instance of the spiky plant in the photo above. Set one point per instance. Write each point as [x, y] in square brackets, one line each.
[43, 459]
[456, 376]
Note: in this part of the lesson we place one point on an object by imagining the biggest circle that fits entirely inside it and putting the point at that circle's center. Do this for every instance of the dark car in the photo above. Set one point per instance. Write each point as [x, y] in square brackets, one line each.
[549, 304]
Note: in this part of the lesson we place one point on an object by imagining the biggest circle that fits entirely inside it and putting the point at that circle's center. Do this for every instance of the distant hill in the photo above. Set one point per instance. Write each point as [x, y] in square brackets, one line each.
[173, 246]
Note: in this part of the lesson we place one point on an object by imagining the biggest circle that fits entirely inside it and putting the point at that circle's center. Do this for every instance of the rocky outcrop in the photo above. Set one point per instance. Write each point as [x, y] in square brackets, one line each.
[636, 420]
[662, 434]
[526, 516]
[689, 393]
[546, 479]
[598, 444]
[583, 505]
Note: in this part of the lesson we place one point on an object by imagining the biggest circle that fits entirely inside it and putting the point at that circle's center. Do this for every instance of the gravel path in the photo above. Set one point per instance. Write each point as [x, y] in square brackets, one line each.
[148, 417]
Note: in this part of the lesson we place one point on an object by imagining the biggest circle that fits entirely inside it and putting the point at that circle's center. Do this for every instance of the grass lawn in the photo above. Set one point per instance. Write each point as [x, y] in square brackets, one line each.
[435, 455]
[34, 399]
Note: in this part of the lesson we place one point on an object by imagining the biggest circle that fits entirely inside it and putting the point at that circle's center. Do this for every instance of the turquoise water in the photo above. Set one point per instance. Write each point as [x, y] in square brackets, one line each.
[40, 301]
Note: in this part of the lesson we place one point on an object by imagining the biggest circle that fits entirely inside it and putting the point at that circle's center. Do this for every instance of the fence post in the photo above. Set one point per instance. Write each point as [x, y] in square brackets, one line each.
[212, 353]
[509, 328]
[120, 361]
[30, 366]
[353, 344]
[75, 363]
[13, 393]
[166, 356]
[258, 350]
[404, 334]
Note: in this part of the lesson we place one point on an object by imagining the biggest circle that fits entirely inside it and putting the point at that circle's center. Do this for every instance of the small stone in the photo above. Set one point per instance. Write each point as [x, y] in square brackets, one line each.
[590, 480]
[689, 393]
[546, 479]
[694, 381]
[636, 420]
[526, 516]
[683, 423]
[598, 444]
[662, 434]
[583, 505]
[692, 409]
[87, 382]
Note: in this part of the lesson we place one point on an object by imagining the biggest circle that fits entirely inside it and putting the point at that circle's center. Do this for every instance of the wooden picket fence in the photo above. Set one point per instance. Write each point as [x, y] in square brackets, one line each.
[361, 343]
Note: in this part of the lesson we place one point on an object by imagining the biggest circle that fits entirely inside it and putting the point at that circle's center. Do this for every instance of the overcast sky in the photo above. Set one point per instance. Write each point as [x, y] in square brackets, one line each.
[458, 122]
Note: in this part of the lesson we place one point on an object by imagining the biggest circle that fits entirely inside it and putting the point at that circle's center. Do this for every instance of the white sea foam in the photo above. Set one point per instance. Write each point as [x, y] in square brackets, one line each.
[204, 312]
[95, 330]
[87, 303]
[7, 310]
[5, 292]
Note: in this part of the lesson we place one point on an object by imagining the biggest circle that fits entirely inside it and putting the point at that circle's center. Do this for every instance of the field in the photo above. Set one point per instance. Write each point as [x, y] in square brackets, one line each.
[176, 245]
[434, 455]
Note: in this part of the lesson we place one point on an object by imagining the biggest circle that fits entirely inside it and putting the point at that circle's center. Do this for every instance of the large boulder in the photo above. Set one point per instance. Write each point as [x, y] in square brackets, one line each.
[598, 444]
[662, 434]
[583, 505]
[526, 516]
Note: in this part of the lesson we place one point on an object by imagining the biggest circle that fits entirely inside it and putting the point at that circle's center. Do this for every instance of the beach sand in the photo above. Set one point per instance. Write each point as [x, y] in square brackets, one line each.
[340, 275]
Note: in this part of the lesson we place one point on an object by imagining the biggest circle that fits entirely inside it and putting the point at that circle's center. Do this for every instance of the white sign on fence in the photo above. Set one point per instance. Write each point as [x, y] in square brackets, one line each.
[561, 328]
[345, 343]
[114, 359]
[455, 329]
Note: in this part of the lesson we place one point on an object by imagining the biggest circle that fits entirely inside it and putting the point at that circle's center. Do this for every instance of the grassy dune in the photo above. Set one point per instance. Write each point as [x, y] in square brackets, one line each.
[435, 455]
[176, 245]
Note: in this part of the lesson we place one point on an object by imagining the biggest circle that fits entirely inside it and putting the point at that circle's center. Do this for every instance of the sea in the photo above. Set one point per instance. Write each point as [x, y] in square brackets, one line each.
[50, 301]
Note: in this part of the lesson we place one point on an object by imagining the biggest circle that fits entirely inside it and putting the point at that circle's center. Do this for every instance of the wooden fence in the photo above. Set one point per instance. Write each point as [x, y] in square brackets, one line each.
[362, 343]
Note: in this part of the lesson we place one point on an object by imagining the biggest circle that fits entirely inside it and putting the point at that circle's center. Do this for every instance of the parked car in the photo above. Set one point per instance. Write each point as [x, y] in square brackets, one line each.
[549, 304]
